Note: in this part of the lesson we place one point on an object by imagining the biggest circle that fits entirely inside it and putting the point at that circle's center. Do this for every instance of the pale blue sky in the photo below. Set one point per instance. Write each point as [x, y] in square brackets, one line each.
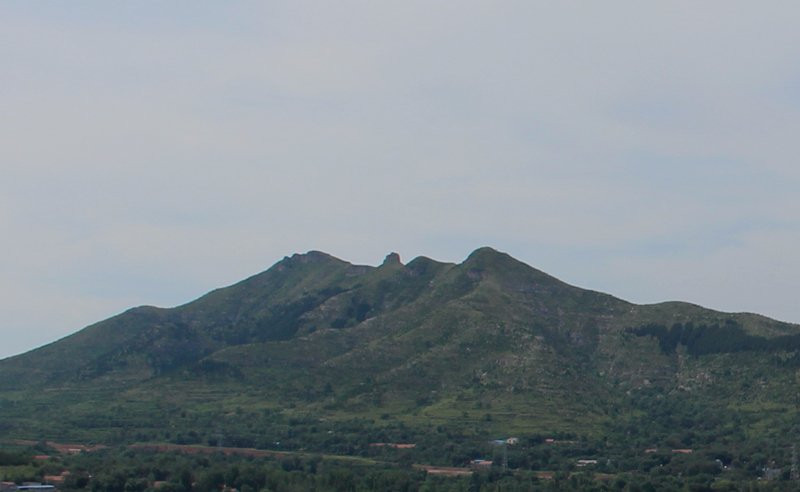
[151, 152]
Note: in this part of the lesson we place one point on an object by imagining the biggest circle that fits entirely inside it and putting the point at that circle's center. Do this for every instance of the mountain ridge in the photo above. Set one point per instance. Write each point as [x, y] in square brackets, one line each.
[479, 262]
[422, 343]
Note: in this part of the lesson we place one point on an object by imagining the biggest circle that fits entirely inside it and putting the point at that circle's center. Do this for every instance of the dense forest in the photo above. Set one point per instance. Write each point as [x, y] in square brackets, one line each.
[716, 338]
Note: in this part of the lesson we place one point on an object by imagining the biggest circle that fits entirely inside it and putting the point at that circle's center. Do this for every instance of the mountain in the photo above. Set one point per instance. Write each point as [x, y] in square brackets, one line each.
[490, 346]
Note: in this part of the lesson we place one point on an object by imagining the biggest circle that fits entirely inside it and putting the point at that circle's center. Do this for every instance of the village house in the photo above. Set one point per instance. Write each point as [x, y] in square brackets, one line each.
[551, 440]
[34, 486]
[480, 464]
[56, 479]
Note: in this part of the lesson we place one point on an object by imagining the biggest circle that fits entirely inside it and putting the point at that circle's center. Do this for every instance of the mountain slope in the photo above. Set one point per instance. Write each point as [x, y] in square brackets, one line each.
[487, 345]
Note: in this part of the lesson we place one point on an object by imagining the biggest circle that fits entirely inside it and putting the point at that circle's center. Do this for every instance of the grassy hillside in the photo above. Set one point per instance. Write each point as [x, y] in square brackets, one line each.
[319, 354]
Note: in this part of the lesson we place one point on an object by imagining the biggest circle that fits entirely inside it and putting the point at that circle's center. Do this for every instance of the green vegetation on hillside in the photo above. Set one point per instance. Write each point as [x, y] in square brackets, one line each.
[316, 355]
[716, 339]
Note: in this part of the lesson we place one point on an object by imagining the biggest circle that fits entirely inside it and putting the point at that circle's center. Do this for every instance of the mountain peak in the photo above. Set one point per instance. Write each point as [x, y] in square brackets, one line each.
[312, 256]
[485, 251]
[487, 257]
[392, 259]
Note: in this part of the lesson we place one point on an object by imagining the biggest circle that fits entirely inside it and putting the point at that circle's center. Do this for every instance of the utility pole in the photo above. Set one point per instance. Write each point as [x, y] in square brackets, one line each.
[795, 474]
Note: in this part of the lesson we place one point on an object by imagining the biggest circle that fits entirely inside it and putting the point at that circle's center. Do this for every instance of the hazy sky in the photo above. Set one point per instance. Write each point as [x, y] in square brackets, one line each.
[151, 151]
